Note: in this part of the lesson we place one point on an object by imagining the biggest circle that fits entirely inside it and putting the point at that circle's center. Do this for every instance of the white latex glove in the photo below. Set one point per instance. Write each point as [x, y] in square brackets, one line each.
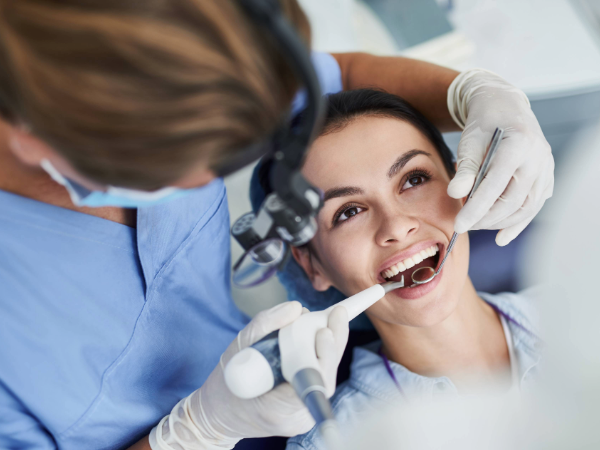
[213, 418]
[521, 175]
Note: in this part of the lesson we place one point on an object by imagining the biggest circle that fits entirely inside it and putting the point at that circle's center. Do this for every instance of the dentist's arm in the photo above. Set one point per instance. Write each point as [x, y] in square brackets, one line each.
[521, 175]
[423, 85]
[213, 418]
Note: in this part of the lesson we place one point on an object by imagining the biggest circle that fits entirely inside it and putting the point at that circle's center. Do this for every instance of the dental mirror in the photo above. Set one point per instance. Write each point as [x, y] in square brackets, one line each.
[425, 274]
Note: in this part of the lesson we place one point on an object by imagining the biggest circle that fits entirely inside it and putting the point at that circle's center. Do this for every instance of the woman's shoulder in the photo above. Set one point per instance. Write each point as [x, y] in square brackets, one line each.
[522, 306]
[521, 312]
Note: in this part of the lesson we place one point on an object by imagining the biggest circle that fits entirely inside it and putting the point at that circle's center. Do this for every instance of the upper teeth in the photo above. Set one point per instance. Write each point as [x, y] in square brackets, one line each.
[409, 262]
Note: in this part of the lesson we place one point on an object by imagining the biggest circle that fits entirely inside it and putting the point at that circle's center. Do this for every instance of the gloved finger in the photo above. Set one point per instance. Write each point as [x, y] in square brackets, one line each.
[531, 207]
[262, 324]
[330, 353]
[526, 213]
[523, 214]
[507, 235]
[512, 227]
[470, 153]
[549, 191]
[268, 321]
[325, 346]
[540, 190]
[287, 415]
[338, 323]
[305, 310]
[328, 360]
[501, 171]
[513, 199]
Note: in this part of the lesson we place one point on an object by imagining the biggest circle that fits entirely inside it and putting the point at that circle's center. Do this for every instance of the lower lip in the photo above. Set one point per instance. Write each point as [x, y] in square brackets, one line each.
[408, 293]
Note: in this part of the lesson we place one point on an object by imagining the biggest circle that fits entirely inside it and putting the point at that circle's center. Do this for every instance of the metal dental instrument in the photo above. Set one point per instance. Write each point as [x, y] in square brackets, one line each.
[426, 274]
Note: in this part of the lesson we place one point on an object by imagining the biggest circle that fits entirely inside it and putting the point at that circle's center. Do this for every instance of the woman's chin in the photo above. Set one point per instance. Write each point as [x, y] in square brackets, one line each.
[426, 312]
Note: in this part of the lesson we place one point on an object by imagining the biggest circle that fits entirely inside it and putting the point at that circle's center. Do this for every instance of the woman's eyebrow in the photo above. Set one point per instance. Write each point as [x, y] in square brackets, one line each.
[403, 160]
[342, 192]
[353, 190]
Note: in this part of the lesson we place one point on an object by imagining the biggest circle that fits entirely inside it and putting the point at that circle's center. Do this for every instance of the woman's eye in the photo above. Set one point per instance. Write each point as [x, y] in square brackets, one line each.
[349, 213]
[413, 181]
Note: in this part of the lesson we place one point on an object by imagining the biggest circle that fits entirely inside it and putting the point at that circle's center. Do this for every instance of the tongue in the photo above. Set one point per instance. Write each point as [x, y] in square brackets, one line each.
[427, 262]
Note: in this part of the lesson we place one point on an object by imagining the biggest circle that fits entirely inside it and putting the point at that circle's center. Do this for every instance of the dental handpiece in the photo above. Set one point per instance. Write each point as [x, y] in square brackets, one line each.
[289, 355]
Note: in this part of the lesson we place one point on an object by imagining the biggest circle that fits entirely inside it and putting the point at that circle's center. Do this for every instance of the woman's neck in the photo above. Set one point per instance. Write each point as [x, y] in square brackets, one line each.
[34, 183]
[469, 346]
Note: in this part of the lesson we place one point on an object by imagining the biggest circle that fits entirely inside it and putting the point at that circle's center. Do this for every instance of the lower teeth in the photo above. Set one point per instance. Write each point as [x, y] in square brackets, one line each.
[427, 262]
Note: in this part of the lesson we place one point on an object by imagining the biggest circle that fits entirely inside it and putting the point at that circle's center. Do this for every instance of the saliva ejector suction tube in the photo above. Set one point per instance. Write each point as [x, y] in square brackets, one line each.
[289, 355]
[426, 274]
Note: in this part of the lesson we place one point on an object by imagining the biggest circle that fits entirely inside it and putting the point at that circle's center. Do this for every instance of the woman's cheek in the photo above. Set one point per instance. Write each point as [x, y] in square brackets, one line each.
[347, 262]
[462, 256]
[441, 209]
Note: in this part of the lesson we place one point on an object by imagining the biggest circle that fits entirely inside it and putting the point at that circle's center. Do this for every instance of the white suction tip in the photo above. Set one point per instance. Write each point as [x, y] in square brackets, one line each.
[391, 285]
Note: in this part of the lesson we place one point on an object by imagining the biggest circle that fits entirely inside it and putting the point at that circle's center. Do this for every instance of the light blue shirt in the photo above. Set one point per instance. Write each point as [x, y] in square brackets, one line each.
[104, 328]
[371, 387]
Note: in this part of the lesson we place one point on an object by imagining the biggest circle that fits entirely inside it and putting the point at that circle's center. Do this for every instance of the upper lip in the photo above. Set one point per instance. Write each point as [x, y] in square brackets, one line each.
[410, 251]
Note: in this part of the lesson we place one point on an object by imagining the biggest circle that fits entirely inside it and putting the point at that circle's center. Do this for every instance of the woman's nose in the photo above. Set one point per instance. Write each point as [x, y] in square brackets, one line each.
[395, 227]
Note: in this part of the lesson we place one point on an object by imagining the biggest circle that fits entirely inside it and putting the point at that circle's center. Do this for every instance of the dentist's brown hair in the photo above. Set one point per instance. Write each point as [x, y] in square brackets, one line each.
[135, 93]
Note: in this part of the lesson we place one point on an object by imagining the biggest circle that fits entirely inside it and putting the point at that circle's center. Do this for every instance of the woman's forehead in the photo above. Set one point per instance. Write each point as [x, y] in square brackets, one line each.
[367, 147]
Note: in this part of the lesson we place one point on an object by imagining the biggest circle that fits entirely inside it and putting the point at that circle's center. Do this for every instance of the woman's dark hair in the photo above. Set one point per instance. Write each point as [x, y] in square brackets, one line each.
[345, 106]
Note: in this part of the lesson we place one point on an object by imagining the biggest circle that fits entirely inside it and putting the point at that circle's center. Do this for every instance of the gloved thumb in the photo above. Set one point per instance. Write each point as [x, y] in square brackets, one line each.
[469, 155]
[461, 184]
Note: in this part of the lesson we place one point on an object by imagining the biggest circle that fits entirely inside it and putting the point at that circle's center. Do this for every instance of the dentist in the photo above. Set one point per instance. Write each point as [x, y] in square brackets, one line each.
[118, 120]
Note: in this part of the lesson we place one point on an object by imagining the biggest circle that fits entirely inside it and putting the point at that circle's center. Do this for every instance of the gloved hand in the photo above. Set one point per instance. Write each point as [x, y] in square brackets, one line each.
[213, 418]
[521, 174]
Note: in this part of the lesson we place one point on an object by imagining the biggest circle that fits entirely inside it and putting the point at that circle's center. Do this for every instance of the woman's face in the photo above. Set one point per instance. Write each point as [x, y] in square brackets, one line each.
[385, 202]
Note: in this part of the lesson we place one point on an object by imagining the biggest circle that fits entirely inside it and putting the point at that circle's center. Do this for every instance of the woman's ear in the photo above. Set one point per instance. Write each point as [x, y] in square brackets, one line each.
[312, 268]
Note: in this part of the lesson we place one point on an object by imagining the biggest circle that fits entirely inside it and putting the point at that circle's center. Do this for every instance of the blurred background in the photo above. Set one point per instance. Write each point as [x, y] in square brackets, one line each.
[548, 48]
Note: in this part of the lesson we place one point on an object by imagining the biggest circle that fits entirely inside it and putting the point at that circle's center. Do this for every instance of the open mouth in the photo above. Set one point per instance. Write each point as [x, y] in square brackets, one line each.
[428, 257]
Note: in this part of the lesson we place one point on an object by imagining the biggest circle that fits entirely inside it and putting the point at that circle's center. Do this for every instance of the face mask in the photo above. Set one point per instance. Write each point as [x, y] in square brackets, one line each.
[113, 196]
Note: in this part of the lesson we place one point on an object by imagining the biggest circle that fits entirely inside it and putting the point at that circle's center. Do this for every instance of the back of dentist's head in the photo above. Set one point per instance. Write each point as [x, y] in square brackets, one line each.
[137, 93]
[342, 109]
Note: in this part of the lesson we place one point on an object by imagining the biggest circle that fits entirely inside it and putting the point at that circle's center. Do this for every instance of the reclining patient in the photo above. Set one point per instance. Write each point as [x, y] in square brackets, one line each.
[385, 169]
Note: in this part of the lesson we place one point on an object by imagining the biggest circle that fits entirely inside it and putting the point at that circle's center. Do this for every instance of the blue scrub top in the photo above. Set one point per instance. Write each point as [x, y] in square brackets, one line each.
[104, 328]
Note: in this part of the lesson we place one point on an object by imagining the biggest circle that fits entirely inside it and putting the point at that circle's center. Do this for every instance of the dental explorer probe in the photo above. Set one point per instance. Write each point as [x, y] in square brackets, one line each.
[289, 355]
[494, 144]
